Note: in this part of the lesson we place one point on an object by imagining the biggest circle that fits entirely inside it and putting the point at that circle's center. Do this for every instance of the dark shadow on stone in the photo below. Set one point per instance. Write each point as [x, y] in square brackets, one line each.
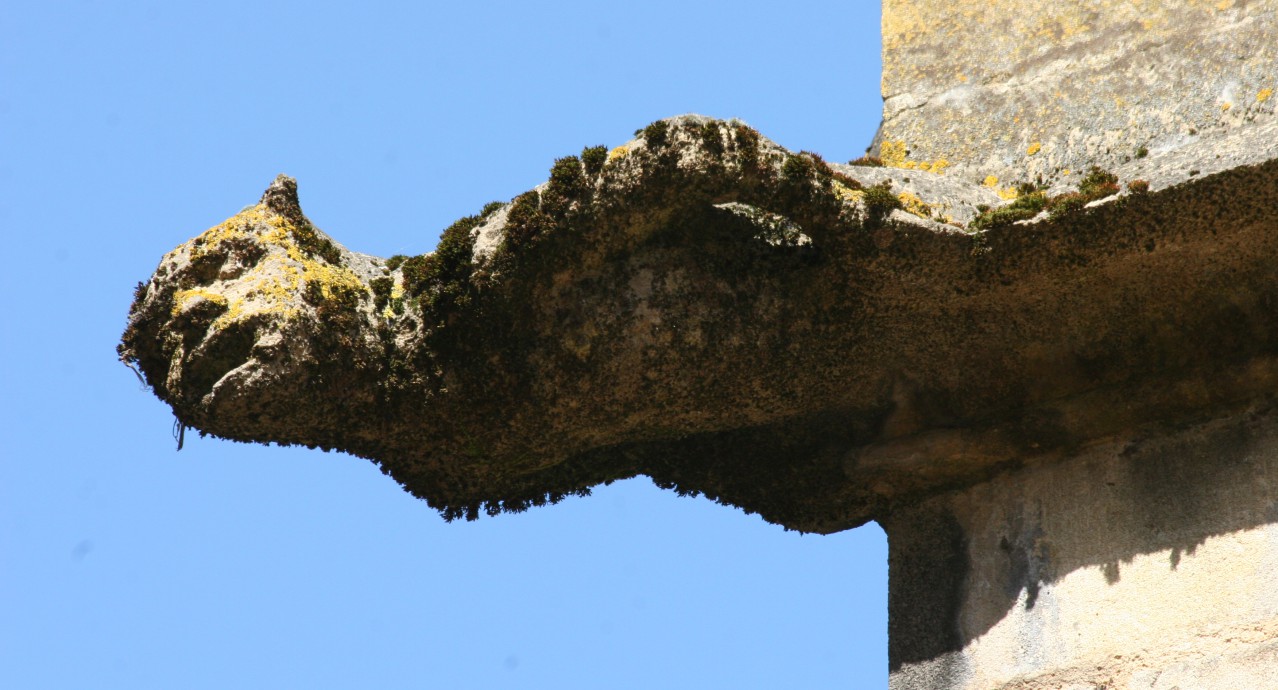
[1184, 485]
[927, 560]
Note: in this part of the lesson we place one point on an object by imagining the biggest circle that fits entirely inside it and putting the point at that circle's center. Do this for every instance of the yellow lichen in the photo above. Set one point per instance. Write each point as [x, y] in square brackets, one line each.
[912, 204]
[234, 228]
[892, 153]
[275, 281]
[232, 314]
[1033, 148]
[619, 152]
[184, 297]
[1008, 193]
[1225, 106]
[332, 281]
[846, 193]
[991, 181]
[1264, 95]
[1056, 26]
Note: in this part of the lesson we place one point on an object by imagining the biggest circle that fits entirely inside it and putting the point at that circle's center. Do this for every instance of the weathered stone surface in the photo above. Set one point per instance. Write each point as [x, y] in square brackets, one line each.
[1141, 554]
[1145, 562]
[1059, 404]
[1021, 90]
[807, 362]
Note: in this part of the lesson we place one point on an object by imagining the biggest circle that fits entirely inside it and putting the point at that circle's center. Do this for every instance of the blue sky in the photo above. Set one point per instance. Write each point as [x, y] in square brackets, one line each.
[129, 127]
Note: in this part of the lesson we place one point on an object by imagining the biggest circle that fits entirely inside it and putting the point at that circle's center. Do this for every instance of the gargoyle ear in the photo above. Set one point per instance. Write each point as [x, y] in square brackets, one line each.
[281, 196]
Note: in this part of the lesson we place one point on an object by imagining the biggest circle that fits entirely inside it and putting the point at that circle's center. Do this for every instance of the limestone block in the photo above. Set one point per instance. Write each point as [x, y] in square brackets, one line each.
[1023, 90]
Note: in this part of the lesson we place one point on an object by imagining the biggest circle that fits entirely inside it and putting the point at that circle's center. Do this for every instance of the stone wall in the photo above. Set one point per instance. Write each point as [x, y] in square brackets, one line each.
[1145, 557]
[1145, 561]
[1019, 90]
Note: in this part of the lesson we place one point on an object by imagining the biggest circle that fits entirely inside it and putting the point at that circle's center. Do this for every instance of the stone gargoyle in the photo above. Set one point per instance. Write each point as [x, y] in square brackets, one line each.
[727, 317]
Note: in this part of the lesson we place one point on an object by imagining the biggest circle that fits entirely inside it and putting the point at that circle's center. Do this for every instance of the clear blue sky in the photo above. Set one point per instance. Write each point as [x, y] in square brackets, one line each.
[128, 127]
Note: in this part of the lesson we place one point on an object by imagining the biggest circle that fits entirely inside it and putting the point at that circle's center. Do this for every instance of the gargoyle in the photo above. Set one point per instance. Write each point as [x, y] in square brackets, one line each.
[727, 317]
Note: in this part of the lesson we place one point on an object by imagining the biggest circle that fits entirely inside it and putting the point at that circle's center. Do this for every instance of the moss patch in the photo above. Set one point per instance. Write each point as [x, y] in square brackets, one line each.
[880, 201]
[657, 133]
[1029, 200]
[594, 158]
[1025, 206]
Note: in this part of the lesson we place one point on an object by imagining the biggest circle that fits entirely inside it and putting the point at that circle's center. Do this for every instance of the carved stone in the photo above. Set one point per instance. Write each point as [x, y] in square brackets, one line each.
[1061, 408]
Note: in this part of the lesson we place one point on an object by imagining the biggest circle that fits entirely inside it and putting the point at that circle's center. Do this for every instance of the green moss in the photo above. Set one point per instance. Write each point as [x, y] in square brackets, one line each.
[657, 134]
[381, 288]
[488, 311]
[384, 295]
[594, 158]
[442, 278]
[524, 221]
[1138, 186]
[711, 137]
[805, 166]
[456, 244]
[311, 243]
[1066, 204]
[395, 261]
[567, 188]
[417, 272]
[490, 208]
[567, 178]
[1026, 206]
[1098, 184]
[797, 167]
[330, 297]
[745, 137]
[1142, 152]
[746, 141]
[880, 201]
[804, 190]
[867, 162]
[846, 181]
[818, 163]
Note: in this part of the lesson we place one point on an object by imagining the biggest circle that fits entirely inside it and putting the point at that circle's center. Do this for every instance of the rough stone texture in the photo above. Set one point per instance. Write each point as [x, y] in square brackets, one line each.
[1019, 89]
[1146, 556]
[1147, 561]
[818, 375]
[1060, 408]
